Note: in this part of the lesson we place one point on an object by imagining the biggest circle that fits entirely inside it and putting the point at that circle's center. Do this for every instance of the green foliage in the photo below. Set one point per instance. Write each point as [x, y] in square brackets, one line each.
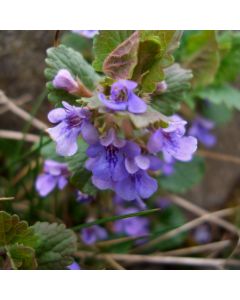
[17, 239]
[13, 231]
[221, 94]
[154, 55]
[22, 257]
[121, 62]
[229, 67]
[178, 81]
[56, 245]
[218, 113]
[105, 42]
[149, 117]
[200, 54]
[185, 176]
[78, 43]
[62, 57]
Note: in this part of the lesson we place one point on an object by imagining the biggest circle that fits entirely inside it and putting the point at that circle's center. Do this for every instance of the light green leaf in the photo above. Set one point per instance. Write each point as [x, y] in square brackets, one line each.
[56, 245]
[185, 176]
[62, 57]
[225, 94]
[149, 117]
[202, 56]
[105, 42]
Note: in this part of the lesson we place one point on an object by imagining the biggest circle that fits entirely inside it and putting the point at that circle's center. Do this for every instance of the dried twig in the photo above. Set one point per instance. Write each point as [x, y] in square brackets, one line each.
[188, 226]
[113, 263]
[219, 156]
[197, 249]
[169, 260]
[193, 208]
[22, 113]
[19, 102]
[15, 135]
[6, 198]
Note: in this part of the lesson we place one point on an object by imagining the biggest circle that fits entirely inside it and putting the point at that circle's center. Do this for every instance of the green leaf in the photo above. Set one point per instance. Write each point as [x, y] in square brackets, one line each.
[149, 117]
[22, 257]
[218, 113]
[178, 81]
[119, 64]
[62, 57]
[185, 176]
[221, 94]
[56, 245]
[154, 55]
[114, 218]
[13, 231]
[230, 63]
[17, 240]
[202, 56]
[105, 42]
[78, 43]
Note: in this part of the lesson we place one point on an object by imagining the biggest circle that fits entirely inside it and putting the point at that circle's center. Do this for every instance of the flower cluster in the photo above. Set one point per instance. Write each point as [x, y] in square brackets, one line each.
[126, 166]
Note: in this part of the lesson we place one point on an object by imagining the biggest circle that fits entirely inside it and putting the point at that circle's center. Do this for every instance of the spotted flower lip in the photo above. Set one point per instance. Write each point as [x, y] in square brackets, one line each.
[171, 140]
[54, 175]
[65, 81]
[201, 128]
[71, 122]
[122, 98]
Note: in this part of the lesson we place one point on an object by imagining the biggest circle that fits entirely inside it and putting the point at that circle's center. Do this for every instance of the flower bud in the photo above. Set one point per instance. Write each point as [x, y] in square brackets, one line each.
[64, 80]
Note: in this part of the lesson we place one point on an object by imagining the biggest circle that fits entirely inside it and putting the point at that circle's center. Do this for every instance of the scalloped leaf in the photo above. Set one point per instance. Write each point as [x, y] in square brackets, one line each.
[56, 245]
[62, 57]
[22, 257]
[13, 231]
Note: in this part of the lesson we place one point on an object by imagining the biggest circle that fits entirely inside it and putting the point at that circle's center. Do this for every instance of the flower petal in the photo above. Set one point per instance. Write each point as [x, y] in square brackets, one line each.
[131, 166]
[146, 185]
[186, 147]
[45, 183]
[111, 104]
[136, 105]
[142, 161]
[155, 142]
[89, 133]
[126, 189]
[57, 115]
[102, 184]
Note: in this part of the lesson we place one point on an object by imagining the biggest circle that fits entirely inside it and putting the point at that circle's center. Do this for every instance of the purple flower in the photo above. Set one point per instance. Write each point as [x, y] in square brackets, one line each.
[83, 198]
[122, 97]
[86, 33]
[171, 140]
[71, 122]
[74, 266]
[93, 234]
[136, 186]
[167, 164]
[65, 81]
[106, 161]
[201, 130]
[202, 234]
[54, 175]
[119, 165]
[135, 226]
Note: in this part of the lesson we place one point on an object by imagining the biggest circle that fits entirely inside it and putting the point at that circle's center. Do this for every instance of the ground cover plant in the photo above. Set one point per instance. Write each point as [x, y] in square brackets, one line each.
[101, 183]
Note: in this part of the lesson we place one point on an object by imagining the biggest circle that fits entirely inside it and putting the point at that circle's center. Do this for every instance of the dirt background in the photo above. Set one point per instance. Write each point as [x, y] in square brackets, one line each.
[22, 55]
